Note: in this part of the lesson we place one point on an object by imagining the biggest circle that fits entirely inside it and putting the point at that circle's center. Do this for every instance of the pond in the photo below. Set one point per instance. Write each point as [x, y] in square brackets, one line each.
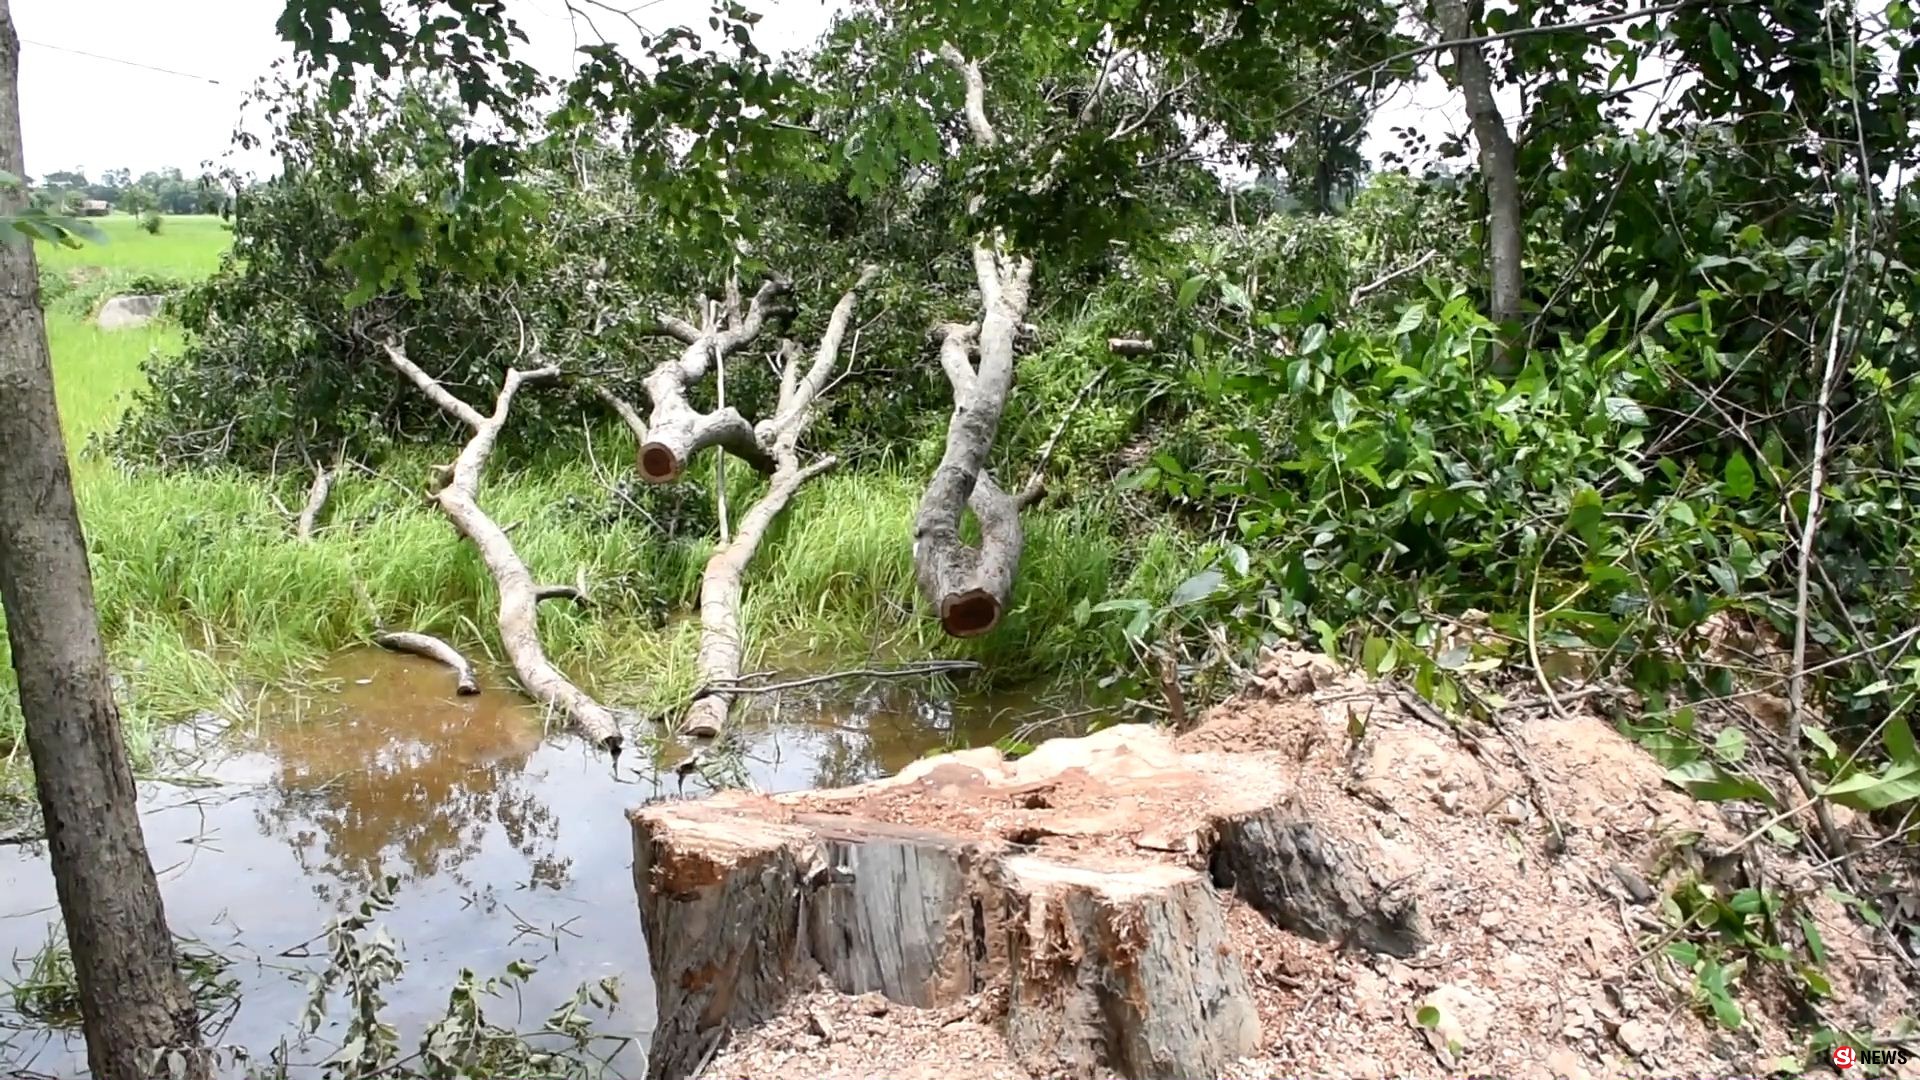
[507, 844]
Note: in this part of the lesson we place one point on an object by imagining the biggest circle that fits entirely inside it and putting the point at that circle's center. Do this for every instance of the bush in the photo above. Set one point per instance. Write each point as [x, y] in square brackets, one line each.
[151, 221]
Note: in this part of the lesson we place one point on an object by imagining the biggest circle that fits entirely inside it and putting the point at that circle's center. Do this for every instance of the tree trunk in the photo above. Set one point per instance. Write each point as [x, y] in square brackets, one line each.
[133, 1002]
[1498, 170]
[1118, 961]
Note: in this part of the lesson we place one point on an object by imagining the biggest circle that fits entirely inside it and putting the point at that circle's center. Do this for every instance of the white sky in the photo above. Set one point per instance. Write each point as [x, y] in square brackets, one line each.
[96, 114]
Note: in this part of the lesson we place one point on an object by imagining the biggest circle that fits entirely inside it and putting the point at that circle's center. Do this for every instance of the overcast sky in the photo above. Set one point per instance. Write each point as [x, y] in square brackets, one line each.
[112, 109]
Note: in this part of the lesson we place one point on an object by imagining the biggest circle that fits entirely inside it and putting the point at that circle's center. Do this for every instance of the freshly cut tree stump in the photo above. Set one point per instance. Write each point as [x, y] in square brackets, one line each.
[1081, 883]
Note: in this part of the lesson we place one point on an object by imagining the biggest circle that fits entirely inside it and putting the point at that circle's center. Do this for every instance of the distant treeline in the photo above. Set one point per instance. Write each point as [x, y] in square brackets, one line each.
[168, 191]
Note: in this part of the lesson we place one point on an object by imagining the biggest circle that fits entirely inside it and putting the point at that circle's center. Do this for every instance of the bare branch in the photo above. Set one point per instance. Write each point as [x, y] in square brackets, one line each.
[1130, 346]
[976, 100]
[433, 649]
[449, 404]
[518, 616]
[1363, 291]
[1036, 487]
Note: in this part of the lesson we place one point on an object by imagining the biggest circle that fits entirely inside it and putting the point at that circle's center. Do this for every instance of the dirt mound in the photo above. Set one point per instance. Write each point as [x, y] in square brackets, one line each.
[1324, 873]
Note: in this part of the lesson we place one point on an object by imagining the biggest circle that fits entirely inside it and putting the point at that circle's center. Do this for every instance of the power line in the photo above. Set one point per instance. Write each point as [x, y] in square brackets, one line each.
[117, 60]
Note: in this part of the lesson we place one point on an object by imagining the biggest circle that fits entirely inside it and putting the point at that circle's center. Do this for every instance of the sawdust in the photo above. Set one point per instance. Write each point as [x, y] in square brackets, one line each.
[1539, 965]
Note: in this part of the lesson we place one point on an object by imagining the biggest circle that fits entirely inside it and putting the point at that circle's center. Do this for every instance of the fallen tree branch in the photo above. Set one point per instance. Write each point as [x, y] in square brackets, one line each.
[1036, 486]
[519, 601]
[433, 649]
[316, 500]
[721, 638]
[1130, 346]
[924, 667]
[970, 588]
[676, 431]
[1361, 292]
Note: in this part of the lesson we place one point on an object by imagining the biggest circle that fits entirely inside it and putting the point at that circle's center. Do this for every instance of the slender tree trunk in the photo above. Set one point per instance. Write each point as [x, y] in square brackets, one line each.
[1498, 169]
[133, 1001]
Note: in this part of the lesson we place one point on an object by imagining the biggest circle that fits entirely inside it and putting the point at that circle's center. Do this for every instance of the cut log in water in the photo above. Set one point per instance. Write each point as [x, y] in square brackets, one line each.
[519, 616]
[433, 649]
[1080, 883]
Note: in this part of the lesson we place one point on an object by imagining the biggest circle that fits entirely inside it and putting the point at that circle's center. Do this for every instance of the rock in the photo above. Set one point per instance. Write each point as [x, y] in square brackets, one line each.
[873, 1004]
[123, 312]
[1636, 886]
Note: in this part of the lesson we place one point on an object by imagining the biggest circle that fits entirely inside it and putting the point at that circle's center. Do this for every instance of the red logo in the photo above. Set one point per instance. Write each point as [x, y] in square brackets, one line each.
[1844, 1057]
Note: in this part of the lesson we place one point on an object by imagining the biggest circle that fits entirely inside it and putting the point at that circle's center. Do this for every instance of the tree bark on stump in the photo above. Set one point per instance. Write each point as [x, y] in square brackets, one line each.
[133, 1002]
[1074, 879]
[519, 616]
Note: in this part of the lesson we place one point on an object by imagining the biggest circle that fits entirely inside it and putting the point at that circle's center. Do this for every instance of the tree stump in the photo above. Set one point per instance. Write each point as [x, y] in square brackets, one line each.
[1084, 884]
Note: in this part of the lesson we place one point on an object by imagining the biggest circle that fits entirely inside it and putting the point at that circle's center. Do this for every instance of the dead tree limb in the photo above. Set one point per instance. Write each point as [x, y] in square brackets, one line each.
[433, 649]
[722, 642]
[1130, 346]
[1036, 486]
[970, 587]
[316, 501]
[676, 430]
[519, 600]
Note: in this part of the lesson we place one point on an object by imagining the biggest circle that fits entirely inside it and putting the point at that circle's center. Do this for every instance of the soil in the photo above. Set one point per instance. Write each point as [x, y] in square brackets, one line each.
[1537, 962]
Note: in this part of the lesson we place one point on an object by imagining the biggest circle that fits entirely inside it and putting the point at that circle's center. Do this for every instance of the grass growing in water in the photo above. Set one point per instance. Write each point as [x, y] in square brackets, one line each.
[204, 596]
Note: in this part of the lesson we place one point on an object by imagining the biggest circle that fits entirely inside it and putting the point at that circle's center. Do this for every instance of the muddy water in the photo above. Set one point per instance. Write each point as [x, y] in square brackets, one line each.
[506, 844]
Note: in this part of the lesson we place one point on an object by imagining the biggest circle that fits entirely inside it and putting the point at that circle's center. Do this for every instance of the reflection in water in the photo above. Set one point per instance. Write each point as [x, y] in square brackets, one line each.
[507, 845]
[400, 777]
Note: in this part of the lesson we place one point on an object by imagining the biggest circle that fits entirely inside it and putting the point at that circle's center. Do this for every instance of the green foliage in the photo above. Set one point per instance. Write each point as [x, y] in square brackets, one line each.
[1718, 934]
[150, 222]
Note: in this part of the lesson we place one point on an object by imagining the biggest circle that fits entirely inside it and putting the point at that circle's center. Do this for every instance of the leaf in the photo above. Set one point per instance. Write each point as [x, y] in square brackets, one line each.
[1738, 475]
[1235, 296]
[1342, 408]
[1867, 791]
[1237, 557]
[1723, 48]
[1410, 319]
[1453, 658]
[1197, 588]
[1313, 340]
[1625, 410]
[1646, 300]
[1730, 744]
[1427, 1017]
[1899, 15]
[1190, 290]
[1899, 739]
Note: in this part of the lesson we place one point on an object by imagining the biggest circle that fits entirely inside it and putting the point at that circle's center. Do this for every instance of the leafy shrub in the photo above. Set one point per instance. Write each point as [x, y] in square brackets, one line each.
[151, 221]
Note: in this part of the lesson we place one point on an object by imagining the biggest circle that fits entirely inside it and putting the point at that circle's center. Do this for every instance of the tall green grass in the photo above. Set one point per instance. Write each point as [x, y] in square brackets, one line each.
[206, 599]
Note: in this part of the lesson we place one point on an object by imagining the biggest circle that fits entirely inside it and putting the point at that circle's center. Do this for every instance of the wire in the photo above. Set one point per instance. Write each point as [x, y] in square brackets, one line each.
[117, 60]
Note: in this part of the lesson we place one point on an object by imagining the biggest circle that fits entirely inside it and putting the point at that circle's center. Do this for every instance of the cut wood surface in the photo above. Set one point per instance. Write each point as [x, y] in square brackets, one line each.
[519, 616]
[675, 430]
[433, 649]
[1077, 880]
